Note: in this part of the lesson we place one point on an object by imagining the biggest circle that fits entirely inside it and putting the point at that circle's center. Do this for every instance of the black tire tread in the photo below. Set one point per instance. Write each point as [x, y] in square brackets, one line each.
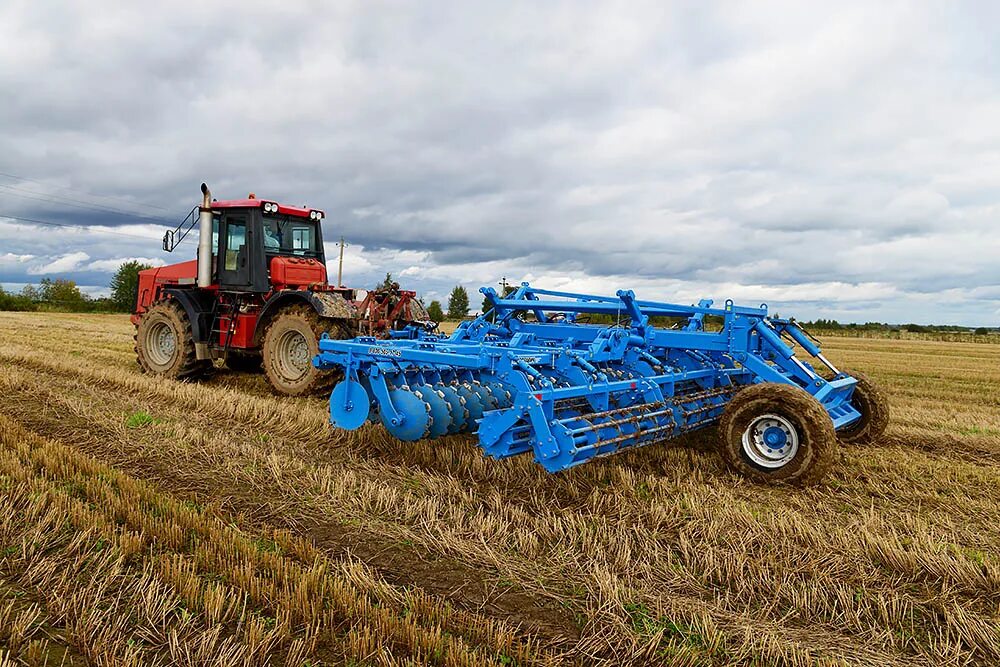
[189, 367]
[818, 440]
[875, 412]
[320, 382]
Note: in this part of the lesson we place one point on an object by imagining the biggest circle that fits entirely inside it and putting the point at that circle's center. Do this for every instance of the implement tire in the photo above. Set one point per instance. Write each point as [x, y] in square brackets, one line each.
[874, 408]
[164, 344]
[290, 341]
[777, 433]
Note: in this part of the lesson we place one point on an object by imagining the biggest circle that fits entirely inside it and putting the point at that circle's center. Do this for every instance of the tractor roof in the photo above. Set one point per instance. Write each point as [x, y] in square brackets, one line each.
[253, 202]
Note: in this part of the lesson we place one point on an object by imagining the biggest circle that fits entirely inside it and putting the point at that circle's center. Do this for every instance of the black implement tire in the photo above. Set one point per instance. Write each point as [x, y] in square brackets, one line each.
[874, 408]
[290, 341]
[243, 362]
[164, 344]
[803, 442]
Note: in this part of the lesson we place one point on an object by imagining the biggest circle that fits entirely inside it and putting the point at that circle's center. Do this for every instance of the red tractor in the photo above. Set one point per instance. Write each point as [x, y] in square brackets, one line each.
[256, 294]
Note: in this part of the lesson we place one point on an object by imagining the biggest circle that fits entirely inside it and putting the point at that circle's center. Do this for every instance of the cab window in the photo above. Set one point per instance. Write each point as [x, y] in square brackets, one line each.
[236, 237]
[287, 235]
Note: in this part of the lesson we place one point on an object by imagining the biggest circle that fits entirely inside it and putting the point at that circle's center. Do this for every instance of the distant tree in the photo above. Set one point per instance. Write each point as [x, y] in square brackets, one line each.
[458, 303]
[61, 293]
[31, 293]
[434, 311]
[982, 331]
[125, 284]
[10, 301]
[387, 284]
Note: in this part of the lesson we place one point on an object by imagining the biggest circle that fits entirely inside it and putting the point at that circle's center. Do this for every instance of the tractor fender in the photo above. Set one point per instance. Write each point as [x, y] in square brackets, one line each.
[198, 307]
[327, 304]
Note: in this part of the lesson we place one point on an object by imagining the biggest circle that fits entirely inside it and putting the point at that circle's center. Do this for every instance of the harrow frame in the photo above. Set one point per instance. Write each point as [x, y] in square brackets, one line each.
[531, 375]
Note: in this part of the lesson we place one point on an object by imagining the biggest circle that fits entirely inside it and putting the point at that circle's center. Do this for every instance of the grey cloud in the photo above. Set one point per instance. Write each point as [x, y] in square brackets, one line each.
[710, 145]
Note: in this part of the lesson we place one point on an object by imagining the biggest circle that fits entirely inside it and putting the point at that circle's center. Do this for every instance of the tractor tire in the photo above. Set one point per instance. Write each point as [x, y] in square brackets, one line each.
[164, 344]
[874, 408]
[777, 433]
[290, 341]
[242, 362]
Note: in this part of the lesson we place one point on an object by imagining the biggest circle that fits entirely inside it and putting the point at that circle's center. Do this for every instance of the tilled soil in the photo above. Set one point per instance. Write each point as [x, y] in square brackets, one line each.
[660, 556]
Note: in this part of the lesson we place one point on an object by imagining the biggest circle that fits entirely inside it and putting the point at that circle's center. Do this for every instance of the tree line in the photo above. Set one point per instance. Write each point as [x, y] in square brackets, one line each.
[65, 295]
[834, 325]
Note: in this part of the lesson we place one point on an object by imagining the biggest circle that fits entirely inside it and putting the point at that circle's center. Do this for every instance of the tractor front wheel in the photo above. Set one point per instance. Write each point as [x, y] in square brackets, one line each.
[164, 344]
[291, 340]
[869, 400]
[777, 433]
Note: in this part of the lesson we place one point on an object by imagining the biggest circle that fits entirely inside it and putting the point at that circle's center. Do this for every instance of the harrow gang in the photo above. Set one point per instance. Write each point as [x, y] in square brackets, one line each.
[531, 375]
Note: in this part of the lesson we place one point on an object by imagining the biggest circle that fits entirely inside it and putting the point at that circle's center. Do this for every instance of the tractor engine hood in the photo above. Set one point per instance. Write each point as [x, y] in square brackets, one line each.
[296, 272]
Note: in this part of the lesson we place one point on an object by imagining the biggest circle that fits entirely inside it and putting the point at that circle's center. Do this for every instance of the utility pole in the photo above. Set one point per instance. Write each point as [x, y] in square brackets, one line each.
[340, 267]
[503, 286]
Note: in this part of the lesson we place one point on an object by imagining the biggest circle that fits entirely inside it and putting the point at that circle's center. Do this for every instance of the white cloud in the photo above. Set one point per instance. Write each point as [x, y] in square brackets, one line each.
[111, 265]
[62, 264]
[10, 258]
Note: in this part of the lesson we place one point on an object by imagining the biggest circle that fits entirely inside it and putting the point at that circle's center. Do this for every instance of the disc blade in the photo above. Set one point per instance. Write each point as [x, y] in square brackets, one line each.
[416, 421]
[349, 405]
[440, 410]
[459, 415]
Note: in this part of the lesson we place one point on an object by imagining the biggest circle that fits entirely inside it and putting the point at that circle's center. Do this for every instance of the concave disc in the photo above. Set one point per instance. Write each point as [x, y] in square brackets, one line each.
[415, 418]
[349, 405]
[473, 403]
[459, 415]
[440, 410]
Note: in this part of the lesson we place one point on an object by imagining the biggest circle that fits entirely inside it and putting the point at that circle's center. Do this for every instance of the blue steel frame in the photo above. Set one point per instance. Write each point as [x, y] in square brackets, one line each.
[568, 390]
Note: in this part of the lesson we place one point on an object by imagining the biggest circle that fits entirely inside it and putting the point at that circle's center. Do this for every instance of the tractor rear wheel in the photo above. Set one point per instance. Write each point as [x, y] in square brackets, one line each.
[164, 344]
[874, 408]
[777, 433]
[290, 341]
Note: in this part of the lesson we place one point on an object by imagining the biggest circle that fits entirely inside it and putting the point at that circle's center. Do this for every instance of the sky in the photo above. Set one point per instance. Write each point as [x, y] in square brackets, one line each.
[837, 160]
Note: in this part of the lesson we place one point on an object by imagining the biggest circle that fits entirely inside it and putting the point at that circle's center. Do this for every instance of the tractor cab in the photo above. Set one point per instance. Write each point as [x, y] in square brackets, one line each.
[260, 245]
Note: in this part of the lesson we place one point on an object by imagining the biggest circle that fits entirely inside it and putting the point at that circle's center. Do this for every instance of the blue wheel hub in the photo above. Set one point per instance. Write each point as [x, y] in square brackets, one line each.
[775, 437]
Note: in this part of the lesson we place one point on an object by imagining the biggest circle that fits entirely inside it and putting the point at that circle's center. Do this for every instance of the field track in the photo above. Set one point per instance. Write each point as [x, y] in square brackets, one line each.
[147, 521]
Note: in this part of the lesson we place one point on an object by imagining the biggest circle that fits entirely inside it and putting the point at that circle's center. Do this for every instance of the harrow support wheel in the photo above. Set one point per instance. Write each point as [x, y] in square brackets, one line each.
[164, 344]
[290, 341]
[874, 408]
[777, 433]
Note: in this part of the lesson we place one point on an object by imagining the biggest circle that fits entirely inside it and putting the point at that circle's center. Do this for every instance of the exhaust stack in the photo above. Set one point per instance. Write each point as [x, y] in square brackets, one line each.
[205, 238]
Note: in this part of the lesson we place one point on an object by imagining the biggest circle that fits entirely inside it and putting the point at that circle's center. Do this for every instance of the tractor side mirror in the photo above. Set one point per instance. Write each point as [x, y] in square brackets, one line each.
[168, 241]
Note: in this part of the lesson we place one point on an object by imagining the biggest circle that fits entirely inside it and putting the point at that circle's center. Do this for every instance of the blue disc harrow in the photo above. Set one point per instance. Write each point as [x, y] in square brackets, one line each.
[572, 377]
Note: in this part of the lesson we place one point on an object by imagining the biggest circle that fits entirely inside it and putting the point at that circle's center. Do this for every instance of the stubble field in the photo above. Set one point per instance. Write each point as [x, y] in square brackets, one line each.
[145, 521]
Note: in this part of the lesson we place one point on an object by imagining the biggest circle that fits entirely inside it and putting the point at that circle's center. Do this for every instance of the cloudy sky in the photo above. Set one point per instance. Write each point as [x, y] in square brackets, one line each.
[832, 159]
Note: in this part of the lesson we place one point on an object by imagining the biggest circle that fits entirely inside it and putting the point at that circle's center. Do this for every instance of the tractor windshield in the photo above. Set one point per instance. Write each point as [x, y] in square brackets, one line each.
[288, 235]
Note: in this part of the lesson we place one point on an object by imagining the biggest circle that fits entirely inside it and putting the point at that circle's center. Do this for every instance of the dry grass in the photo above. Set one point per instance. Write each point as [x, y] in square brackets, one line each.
[656, 556]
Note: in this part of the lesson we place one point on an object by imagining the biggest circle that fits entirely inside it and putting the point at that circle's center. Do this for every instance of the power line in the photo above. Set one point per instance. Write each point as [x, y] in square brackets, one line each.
[69, 201]
[50, 200]
[81, 227]
[83, 192]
